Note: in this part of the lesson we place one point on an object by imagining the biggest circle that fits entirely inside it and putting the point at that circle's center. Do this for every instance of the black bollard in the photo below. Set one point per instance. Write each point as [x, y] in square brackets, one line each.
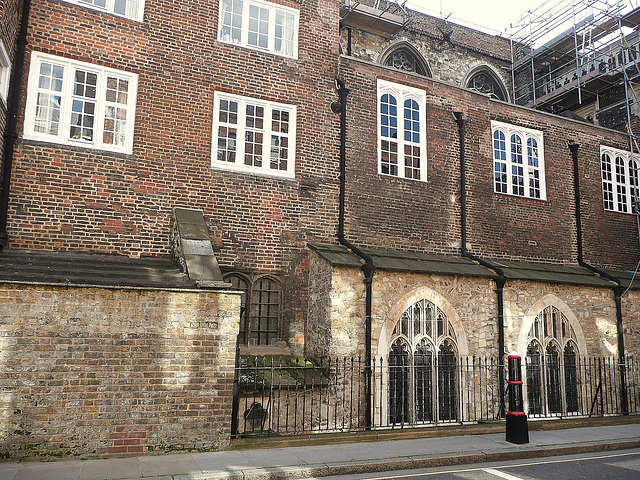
[517, 427]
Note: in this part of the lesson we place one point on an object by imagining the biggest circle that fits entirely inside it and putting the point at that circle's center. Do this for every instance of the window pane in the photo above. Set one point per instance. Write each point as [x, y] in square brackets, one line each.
[607, 183]
[231, 21]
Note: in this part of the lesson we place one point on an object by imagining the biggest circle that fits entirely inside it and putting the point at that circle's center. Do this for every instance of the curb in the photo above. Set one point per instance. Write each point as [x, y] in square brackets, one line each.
[427, 461]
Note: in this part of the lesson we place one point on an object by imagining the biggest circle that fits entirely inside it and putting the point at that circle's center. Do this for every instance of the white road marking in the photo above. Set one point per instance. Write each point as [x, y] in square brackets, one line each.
[524, 464]
[500, 474]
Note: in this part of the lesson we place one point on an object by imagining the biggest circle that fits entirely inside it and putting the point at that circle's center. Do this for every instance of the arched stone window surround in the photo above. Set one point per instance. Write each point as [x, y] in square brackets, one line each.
[458, 341]
[578, 343]
[549, 300]
[422, 67]
[491, 74]
[421, 293]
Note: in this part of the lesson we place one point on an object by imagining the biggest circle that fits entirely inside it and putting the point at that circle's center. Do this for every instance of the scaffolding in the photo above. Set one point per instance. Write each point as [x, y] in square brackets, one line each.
[382, 17]
[580, 57]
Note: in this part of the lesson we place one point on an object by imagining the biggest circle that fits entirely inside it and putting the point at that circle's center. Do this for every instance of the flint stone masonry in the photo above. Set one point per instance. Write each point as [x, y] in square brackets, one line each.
[91, 372]
[336, 320]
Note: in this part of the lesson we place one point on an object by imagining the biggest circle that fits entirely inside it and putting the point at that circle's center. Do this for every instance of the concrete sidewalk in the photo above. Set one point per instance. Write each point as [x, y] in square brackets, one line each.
[333, 459]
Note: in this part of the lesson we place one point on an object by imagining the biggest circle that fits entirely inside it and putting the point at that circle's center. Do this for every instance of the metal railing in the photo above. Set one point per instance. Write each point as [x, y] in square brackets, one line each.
[294, 396]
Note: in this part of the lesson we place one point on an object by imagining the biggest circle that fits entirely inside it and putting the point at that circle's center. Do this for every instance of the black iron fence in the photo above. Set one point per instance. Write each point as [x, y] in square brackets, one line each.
[292, 396]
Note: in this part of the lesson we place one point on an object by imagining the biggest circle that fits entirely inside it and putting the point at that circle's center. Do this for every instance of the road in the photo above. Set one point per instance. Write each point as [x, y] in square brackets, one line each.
[618, 465]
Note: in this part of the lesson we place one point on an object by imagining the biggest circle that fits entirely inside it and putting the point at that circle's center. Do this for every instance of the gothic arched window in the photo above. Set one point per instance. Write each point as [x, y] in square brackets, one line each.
[552, 365]
[484, 82]
[423, 354]
[406, 60]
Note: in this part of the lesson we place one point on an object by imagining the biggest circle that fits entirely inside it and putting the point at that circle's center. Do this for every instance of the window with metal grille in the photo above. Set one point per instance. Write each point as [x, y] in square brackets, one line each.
[265, 311]
[518, 161]
[239, 282]
[423, 354]
[551, 365]
[259, 309]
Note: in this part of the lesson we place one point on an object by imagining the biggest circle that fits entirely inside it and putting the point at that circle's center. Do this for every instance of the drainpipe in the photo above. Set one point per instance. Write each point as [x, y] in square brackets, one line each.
[617, 290]
[461, 120]
[10, 133]
[368, 266]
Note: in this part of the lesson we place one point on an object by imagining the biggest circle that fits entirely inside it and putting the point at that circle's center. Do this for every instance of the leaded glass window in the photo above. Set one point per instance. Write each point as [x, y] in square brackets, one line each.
[405, 60]
[485, 83]
[423, 354]
[551, 365]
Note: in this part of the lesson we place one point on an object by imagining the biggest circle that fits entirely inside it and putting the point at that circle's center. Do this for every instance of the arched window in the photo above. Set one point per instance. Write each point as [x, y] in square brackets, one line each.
[485, 82]
[402, 131]
[620, 184]
[407, 60]
[551, 365]
[259, 309]
[423, 355]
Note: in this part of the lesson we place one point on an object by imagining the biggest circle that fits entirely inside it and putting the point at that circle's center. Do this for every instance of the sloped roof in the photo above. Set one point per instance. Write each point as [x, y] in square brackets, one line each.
[90, 269]
[550, 272]
[404, 261]
[454, 265]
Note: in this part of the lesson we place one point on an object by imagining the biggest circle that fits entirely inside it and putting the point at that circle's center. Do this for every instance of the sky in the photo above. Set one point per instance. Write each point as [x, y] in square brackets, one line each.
[491, 16]
[494, 16]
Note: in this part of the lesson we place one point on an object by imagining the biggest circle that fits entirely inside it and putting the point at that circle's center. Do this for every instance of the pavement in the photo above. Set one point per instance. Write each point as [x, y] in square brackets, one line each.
[292, 460]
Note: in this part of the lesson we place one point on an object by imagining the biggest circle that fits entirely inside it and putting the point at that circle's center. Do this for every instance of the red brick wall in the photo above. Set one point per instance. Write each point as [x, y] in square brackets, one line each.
[75, 199]
[409, 215]
[96, 371]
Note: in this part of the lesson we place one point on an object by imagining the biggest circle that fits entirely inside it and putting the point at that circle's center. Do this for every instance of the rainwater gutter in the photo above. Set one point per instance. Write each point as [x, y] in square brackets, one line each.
[10, 133]
[368, 266]
[461, 120]
[617, 290]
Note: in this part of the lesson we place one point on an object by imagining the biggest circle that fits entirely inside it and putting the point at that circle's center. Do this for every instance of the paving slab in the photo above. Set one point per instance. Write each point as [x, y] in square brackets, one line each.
[297, 462]
[174, 464]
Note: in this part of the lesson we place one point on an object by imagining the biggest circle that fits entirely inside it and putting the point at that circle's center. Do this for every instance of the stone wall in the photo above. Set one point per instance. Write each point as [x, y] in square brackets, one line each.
[114, 371]
[470, 303]
[591, 311]
[631, 323]
[318, 326]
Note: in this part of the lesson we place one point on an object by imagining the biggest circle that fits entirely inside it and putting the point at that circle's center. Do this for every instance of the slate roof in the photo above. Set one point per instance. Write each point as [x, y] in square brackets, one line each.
[90, 269]
[551, 273]
[406, 262]
[454, 265]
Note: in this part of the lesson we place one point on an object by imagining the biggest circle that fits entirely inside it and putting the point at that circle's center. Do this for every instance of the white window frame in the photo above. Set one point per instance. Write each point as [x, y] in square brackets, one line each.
[226, 27]
[524, 169]
[110, 8]
[618, 181]
[386, 139]
[5, 72]
[242, 129]
[102, 106]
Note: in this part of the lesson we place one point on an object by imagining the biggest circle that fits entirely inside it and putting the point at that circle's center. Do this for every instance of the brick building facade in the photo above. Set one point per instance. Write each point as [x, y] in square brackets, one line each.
[129, 110]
